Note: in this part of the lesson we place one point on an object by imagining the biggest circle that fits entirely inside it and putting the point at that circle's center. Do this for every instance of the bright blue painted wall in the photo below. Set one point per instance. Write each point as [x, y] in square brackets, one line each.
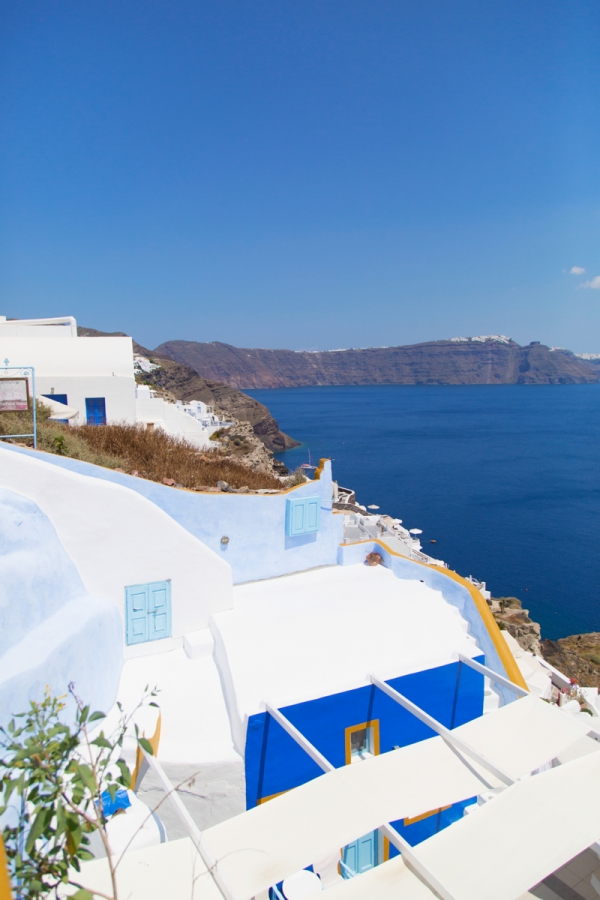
[52, 632]
[420, 831]
[453, 694]
[453, 592]
[255, 525]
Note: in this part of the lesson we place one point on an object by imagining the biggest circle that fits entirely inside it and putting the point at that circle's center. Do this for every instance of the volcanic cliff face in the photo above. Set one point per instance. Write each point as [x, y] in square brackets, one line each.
[464, 361]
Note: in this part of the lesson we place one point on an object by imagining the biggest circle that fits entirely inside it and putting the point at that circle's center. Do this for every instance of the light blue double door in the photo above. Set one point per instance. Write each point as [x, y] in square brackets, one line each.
[148, 612]
[361, 855]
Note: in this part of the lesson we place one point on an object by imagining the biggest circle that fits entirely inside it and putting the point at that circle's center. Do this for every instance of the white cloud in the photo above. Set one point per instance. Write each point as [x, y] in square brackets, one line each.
[594, 283]
[577, 270]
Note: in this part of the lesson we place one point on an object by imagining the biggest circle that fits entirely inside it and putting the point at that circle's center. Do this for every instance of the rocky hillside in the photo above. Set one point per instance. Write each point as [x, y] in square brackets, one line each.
[487, 360]
[578, 656]
[510, 615]
[179, 382]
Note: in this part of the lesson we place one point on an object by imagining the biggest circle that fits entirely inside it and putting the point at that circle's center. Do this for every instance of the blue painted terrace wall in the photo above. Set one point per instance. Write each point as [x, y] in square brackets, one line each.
[255, 524]
[453, 694]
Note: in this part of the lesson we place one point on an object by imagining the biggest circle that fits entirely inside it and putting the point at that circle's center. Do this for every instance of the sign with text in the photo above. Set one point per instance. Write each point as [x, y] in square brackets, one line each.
[14, 394]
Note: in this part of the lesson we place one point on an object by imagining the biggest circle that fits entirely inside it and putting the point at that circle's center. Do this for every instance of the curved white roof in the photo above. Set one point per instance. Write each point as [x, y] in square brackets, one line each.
[320, 632]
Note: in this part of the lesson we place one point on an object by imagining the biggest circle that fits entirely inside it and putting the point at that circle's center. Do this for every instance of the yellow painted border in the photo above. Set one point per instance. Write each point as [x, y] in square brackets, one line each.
[319, 469]
[5, 889]
[154, 741]
[425, 815]
[513, 673]
[374, 724]
[262, 800]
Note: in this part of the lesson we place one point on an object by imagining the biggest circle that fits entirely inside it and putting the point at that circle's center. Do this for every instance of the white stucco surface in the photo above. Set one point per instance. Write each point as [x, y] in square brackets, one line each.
[79, 367]
[195, 725]
[172, 420]
[52, 631]
[75, 356]
[116, 537]
[118, 393]
[315, 633]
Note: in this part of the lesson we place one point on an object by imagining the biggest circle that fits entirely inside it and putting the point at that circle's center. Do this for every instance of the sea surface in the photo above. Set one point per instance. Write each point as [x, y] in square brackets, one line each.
[505, 479]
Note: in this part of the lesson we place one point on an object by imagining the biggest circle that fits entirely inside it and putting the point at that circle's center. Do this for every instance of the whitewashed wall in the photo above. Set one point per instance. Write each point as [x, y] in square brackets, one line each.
[170, 419]
[118, 392]
[79, 367]
[116, 537]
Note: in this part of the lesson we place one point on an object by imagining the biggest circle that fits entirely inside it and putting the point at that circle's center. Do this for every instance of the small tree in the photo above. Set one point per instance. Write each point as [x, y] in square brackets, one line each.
[52, 780]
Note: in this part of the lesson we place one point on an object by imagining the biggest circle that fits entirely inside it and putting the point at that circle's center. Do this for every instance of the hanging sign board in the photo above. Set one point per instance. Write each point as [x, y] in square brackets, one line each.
[14, 394]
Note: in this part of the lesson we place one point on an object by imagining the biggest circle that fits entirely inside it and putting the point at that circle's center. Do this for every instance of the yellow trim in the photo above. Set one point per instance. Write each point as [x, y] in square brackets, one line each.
[386, 849]
[319, 470]
[374, 724]
[5, 889]
[262, 800]
[154, 741]
[426, 815]
[513, 673]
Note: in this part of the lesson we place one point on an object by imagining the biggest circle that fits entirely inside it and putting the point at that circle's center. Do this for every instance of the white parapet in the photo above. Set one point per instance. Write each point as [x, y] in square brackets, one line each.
[118, 538]
[155, 412]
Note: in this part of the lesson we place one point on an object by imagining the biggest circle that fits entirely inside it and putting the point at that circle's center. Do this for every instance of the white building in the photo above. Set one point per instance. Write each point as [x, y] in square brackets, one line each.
[194, 421]
[96, 377]
[91, 374]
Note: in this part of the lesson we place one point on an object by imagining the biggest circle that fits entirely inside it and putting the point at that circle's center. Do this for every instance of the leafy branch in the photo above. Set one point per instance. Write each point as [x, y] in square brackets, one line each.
[55, 782]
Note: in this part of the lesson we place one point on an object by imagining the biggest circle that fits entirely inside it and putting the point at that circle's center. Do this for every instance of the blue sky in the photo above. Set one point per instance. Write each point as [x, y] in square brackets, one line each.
[309, 174]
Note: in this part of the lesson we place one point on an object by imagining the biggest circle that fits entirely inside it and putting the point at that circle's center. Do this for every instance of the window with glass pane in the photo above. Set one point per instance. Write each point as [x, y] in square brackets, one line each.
[361, 743]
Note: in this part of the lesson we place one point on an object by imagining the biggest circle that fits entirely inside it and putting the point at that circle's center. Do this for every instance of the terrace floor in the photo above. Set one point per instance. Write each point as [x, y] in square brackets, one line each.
[571, 882]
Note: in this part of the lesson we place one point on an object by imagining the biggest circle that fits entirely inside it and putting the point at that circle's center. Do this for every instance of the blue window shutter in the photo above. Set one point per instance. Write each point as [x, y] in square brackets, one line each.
[136, 604]
[302, 515]
[148, 612]
[313, 514]
[160, 610]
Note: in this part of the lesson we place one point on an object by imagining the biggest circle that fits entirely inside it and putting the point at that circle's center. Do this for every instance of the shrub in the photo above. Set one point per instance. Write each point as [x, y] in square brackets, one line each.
[54, 782]
[156, 455]
[151, 453]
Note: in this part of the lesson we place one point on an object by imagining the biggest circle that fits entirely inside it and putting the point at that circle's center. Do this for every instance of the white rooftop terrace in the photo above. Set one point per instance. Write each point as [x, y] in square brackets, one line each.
[320, 632]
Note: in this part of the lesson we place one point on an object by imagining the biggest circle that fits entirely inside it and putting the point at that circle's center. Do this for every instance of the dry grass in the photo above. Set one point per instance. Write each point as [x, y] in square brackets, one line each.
[53, 437]
[156, 455]
[132, 448]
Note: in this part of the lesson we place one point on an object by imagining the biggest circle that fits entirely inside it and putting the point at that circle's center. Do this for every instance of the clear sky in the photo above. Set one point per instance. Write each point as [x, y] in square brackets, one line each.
[303, 173]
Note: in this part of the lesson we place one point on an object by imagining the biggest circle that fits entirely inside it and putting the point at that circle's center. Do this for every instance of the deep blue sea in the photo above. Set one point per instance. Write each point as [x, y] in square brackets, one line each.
[505, 478]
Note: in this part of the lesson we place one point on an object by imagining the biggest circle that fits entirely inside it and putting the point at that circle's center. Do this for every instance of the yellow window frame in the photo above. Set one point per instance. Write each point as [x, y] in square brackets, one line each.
[374, 724]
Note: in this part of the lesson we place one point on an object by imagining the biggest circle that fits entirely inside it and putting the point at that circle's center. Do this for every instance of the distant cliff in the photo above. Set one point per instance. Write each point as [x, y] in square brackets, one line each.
[183, 383]
[489, 360]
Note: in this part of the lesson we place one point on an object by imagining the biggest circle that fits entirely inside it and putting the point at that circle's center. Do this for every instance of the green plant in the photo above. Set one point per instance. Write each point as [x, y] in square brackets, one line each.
[53, 777]
[59, 444]
[297, 477]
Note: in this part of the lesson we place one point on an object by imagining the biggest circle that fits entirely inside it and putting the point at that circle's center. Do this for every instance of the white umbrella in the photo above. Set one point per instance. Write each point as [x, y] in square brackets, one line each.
[372, 506]
[416, 531]
[58, 410]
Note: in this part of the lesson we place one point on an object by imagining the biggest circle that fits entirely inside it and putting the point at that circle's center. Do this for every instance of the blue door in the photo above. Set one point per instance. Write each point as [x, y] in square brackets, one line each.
[361, 855]
[95, 410]
[148, 612]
